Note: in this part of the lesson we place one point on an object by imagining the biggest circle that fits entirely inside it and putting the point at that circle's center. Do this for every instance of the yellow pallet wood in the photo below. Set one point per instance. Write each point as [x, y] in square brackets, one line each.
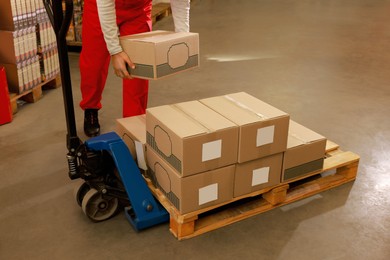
[34, 94]
[160, 11]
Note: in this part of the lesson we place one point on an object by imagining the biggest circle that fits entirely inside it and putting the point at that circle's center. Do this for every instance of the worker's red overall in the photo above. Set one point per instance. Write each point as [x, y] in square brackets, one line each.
[133, 16]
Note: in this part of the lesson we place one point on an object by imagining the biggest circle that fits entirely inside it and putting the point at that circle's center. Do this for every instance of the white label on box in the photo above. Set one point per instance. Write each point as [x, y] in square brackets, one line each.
[211, 150]
[260, 176]
[265, 135]
[139, 150]
[208, 193]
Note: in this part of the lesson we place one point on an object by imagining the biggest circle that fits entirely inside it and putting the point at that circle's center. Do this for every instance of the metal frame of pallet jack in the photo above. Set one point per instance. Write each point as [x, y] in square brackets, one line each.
[95, 160]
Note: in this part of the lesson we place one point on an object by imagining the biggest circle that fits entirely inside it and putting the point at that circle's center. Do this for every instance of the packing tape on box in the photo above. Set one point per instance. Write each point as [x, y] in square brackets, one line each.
[239, 104]
[299, 138]
[193, 118]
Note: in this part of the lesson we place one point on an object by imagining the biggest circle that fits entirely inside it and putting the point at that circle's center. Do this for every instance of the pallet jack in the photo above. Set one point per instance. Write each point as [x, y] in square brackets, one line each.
[110, 177]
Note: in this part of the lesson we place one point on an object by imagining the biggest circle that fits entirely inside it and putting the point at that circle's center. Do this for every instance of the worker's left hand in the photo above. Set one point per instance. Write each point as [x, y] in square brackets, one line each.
[119, 62]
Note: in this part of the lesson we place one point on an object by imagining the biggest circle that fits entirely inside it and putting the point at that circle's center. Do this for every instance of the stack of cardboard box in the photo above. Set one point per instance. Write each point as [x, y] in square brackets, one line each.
[24, 31]
[191, 154]
[74, 32]
[47, 46]
[207, 152]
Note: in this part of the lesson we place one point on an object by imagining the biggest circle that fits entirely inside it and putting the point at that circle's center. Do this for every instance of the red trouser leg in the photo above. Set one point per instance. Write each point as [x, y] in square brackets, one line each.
[135, 91]
[94, 58]
[132, 17]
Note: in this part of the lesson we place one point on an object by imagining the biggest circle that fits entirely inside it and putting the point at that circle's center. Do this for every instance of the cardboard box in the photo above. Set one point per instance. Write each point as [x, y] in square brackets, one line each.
[191, 137]
[194, 192]
[9, 50]
[22, 76]
[263, 128]
[158, 54]
[5, 103]
[257, 174]
[9, 15]
[15, 80]
[133, 132]
[305, 152]
[17, 46]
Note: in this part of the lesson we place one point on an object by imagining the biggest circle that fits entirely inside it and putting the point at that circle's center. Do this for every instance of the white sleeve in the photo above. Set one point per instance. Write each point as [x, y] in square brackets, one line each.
[181, 15]
[107, 17]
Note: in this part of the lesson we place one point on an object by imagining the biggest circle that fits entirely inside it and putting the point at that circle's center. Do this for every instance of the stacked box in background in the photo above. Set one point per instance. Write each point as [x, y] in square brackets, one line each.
[75, 27]
[47, 46]
[27, 45]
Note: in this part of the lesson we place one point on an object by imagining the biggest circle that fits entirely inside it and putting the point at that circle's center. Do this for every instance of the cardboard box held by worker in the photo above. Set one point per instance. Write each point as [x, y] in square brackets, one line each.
[158, 54]
[305, 152]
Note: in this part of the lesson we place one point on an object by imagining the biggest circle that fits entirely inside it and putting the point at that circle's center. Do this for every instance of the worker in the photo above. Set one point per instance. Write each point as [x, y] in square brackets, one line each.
[103, 22]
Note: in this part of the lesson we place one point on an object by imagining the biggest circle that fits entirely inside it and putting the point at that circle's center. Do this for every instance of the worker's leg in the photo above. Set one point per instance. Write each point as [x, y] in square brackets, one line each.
[134, 19]
[94, 58]
[94, 63]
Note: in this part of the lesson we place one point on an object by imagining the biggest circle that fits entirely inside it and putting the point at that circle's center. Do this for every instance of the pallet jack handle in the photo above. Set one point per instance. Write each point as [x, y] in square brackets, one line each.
[144, 211]
[60, 20]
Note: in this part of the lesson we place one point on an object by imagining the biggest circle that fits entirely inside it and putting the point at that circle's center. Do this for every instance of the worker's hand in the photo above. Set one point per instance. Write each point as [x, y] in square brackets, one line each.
[119, 62]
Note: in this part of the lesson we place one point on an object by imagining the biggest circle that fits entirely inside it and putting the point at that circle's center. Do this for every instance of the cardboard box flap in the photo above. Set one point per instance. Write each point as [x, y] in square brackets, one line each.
[164, 37]
[180, 123]
[142, 36]
[231, 110]
[254, 105]
[207, 117]
[136, 124]
[300, 135]
[156, 36]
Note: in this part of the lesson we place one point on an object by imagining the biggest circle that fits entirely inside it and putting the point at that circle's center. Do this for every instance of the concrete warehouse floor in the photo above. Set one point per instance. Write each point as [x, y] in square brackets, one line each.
[326, 63]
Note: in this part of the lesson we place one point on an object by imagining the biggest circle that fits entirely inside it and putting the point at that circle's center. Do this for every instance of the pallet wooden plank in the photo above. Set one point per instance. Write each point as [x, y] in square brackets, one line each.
[343, 165]
[331, 146]
[34, 94]
[160, 10]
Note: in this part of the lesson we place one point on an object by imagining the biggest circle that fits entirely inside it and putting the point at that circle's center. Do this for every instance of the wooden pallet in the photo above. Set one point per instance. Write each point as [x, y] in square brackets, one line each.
[34, 94]
[160, 11]
[339, 168]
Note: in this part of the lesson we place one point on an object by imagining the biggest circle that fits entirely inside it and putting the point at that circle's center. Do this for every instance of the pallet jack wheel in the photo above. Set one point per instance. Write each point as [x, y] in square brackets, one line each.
[97, 207]
[80, 190]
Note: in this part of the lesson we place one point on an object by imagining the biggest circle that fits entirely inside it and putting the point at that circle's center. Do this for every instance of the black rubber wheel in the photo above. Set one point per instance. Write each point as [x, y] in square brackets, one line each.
[80, 190]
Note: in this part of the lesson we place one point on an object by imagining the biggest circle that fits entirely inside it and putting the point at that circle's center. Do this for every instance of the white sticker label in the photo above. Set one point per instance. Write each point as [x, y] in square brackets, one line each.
[139, 149]
[211, 150]
[208, 193]
[265, 135]
[260, 176]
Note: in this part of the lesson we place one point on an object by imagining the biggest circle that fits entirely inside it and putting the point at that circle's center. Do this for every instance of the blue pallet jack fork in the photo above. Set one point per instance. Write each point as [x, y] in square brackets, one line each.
[144, 211]
[109, 176]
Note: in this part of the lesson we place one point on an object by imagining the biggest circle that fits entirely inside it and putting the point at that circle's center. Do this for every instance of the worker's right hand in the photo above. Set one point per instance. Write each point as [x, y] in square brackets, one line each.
[119, 62]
